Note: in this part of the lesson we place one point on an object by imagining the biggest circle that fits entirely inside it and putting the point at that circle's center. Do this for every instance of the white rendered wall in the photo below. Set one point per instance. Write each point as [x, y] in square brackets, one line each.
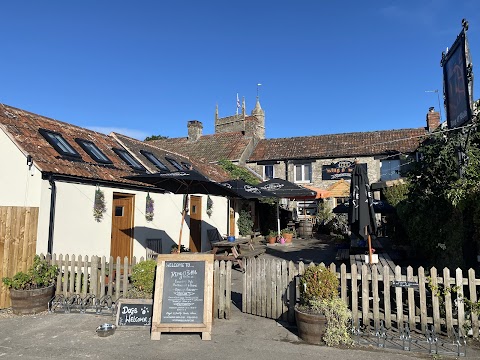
[19, 183]
[77, 232]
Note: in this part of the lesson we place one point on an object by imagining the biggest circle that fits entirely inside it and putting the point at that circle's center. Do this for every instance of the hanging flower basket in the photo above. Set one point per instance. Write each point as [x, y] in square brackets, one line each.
[99, 207]
[149, 208]
[209, 206]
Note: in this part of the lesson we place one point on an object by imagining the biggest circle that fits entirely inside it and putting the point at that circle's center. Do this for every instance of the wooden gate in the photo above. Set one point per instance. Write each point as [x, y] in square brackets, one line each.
[18, 242]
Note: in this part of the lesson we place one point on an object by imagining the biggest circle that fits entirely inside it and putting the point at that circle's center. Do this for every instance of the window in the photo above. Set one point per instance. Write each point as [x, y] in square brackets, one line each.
[94, 152]
[268, 172]
[154, 160]
[59, 143]
[303, 172]
[390, 170]
[175, 163]
[129, 159]
[187, 165]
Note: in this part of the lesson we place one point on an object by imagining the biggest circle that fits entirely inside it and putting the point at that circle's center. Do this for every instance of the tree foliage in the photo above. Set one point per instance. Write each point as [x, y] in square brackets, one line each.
[438, 209]
[238, 172]
[155, 137]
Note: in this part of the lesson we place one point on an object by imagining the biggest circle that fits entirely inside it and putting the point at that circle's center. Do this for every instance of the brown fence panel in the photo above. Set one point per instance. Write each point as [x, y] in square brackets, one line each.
[18, 241]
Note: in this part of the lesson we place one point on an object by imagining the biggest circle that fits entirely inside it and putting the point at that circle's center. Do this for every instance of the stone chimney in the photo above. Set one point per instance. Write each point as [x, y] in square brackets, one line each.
[433, 119]
[195, 129]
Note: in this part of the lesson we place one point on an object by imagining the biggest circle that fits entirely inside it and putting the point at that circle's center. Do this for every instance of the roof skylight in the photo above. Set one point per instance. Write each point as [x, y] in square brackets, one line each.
[129, 159]
[154, 160]
[59, 143]
[94, 152]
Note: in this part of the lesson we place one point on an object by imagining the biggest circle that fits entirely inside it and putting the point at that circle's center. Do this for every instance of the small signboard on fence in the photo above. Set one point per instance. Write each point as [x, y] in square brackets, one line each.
[134, 313]
[405, 284]
[183, 294]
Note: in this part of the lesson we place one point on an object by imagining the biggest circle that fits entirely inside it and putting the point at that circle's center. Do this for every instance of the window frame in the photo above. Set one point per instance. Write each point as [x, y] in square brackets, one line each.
[391, 175]
[153, 159]
[126, 157]
[175, 163]
[265, 178]
[54, 138]
[84, 144]
[303, 181]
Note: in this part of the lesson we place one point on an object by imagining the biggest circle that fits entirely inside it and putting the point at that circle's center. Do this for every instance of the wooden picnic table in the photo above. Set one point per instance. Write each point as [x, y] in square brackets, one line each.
[383, 259]
[232, 250]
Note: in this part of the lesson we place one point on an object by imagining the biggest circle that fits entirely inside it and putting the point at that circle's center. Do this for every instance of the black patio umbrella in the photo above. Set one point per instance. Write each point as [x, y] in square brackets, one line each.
[183, 182]
[246, 191]
[361, 215]
[287, 190]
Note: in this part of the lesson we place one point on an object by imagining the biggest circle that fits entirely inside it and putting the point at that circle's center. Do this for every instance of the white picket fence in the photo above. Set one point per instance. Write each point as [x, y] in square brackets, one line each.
[102, 276]
[373, 294]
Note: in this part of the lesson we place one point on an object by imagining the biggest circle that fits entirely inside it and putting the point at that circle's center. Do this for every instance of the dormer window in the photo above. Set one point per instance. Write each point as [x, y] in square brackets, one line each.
[95, 153]
[59, 143]
[154, 160]
[129, 159]
[175, 163]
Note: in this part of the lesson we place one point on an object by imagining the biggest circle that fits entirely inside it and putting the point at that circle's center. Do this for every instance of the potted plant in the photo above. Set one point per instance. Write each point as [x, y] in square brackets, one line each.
[287, 235]
[271, 236]
[322, 316]
[30, 292]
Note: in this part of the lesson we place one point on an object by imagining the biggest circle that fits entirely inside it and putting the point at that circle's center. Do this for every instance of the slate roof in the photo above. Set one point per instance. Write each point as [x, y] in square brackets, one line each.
[209, 148]
[22, 127]
[339, 145]
[211, 171]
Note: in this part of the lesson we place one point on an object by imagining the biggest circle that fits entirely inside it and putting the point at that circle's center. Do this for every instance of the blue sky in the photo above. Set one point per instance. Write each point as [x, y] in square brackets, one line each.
[147, 67]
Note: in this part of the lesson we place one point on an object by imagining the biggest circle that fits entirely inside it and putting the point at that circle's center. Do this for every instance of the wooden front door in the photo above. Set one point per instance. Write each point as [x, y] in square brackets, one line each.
[122, 226]
[231, 220]
[195, 224]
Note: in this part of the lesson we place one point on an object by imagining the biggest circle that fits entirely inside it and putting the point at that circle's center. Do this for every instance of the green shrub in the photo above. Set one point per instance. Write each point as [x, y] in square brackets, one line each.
[143, 275]
[40, 275]
[316, 284]
[245, 223]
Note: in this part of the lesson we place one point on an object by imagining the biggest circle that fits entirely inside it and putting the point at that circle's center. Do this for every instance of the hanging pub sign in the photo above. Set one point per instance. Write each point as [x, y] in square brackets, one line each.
[340, 170]
[458, 80]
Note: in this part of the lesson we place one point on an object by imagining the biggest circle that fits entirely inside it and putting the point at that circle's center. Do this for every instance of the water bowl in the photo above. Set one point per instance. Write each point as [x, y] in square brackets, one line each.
[106, 330]
[231, 238]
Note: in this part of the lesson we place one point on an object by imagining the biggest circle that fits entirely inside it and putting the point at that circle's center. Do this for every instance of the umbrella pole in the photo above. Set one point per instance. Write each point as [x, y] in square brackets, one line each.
[184, 212]
[369, 247]
[278, 218]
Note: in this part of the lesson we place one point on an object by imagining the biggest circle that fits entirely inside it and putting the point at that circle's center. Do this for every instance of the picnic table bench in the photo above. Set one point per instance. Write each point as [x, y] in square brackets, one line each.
[234, 251]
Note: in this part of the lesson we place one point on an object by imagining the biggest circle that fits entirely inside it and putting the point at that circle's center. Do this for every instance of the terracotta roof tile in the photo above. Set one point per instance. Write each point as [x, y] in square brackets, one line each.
[209, 148]
[23, 126]
[211, 171]
[338, 145]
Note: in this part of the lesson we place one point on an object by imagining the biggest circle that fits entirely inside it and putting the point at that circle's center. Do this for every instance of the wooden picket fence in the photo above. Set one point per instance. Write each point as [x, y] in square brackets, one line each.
[270, 289]
[18, 241]
[100, 276]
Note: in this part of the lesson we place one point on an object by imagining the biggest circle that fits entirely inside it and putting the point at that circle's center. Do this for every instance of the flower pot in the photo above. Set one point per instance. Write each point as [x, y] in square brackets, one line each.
[288, 237]
[31, 301]
[311, 327]
[271, 239]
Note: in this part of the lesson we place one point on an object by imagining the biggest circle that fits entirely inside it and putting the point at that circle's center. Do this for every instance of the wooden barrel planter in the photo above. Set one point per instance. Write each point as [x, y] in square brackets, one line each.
[305, 229]
[311, 327]
[31, 301]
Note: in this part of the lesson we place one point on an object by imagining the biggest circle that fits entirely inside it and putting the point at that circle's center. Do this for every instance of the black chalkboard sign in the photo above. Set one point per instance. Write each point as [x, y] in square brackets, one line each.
[134, 312]
[183, 292]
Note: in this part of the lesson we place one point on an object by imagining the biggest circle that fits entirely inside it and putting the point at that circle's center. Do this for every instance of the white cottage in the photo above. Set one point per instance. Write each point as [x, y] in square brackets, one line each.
[64, 170]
